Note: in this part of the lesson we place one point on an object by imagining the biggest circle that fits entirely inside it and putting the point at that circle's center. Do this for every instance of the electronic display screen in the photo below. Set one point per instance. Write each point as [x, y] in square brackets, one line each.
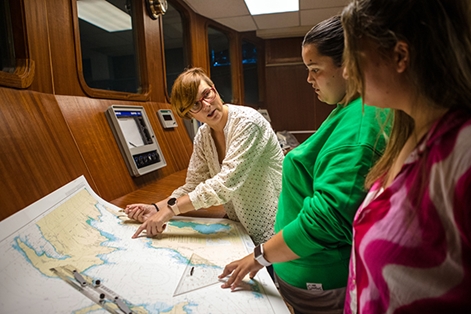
[129, 125]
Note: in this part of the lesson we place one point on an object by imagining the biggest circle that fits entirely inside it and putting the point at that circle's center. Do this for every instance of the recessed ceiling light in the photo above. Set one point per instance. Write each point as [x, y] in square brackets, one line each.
[257, 7]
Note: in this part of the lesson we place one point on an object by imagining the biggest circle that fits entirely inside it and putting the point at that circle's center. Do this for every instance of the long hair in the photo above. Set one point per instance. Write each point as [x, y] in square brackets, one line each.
[438, 33]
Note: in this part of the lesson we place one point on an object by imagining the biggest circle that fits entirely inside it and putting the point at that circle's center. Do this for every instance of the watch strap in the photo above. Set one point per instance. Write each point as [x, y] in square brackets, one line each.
[172, 204]
[258, 255]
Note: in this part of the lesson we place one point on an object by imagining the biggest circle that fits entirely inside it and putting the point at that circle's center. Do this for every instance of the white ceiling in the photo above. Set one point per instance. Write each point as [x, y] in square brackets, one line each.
[234, 14]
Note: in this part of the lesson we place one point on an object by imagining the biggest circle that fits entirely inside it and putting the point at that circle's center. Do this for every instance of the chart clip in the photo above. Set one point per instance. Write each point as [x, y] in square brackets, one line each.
[93, 289]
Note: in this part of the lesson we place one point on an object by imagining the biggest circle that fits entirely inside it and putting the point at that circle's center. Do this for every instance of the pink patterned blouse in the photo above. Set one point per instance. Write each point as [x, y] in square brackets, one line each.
[412, 241]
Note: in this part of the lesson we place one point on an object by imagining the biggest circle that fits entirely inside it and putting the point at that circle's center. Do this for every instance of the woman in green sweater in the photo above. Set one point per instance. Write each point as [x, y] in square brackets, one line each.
[322, 187]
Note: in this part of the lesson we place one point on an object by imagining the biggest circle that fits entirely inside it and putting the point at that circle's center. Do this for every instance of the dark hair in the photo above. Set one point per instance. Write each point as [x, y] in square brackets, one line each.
[438, 34]
[328, 38]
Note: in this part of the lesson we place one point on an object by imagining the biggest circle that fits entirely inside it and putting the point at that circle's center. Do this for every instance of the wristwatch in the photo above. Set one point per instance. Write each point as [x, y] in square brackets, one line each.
[258, 255]
[172, 204]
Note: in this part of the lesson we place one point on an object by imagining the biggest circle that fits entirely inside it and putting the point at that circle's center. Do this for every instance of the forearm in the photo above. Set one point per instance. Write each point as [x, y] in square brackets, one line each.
[184, 204]
[277, 251]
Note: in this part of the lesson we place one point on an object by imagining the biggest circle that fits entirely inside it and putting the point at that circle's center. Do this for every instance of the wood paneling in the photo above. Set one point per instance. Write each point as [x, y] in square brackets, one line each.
[62, 48]
[22, 77]
[87, 122]
[37, 31]
[37, 152]
[176, 140]
[237, 80]
[290, 99]
[283, 50]
[199, 42]
[47, 141]
[152, 57]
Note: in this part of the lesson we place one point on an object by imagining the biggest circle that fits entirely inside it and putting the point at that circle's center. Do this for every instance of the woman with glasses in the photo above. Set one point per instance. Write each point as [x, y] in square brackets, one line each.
[323, 185]
[236, 161]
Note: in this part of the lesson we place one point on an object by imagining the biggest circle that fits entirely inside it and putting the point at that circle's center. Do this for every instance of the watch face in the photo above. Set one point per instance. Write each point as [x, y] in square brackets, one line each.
[172, 201]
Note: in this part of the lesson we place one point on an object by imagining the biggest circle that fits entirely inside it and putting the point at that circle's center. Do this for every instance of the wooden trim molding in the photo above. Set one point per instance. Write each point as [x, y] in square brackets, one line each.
[22, 77]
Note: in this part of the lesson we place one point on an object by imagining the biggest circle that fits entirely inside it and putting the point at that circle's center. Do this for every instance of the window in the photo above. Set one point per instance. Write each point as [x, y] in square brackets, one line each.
[108, 44]
[16, 68]
[7, 48]
[220, 63]
[176, 55]
[250, 70]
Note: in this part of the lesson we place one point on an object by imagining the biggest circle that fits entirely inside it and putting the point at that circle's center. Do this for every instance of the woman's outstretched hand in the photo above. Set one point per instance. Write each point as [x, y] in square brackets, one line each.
[154, 223]
[238, 270]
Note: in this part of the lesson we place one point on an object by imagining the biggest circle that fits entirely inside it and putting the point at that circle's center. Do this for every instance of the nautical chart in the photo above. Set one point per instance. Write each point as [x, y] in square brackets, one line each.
[74, 238]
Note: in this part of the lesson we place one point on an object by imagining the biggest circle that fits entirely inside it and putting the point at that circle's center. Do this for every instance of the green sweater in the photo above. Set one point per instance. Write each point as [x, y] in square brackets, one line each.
[322, 187]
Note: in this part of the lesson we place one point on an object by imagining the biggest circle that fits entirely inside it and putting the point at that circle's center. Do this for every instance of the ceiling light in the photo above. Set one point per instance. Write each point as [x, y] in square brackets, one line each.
[257, 7]
[104, 15]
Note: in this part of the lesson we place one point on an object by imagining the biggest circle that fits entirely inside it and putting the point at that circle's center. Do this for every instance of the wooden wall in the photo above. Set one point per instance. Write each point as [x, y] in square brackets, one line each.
[38, 153]
[53, 127]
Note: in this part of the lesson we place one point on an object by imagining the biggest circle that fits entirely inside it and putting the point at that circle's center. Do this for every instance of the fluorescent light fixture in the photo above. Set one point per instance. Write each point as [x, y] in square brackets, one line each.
[103, 14]
[257, 7]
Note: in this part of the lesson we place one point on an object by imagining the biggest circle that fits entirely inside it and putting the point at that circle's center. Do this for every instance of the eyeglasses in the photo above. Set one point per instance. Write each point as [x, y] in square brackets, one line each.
[208, 96]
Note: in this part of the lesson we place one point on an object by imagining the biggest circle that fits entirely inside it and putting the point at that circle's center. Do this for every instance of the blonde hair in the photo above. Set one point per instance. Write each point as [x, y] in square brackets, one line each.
[185, 90]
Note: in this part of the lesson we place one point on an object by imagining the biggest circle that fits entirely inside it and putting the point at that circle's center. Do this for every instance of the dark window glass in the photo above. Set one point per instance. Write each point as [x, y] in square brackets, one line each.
[220, 63]
[175, 47]
[7, 48]
[108, 43]
[250, 68]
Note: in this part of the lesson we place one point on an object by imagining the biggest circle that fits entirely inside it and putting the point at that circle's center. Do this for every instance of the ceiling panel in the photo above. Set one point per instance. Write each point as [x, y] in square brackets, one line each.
[278, 20]
[235, 15]
[312, 17]
[214, 9]
[240, 23]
